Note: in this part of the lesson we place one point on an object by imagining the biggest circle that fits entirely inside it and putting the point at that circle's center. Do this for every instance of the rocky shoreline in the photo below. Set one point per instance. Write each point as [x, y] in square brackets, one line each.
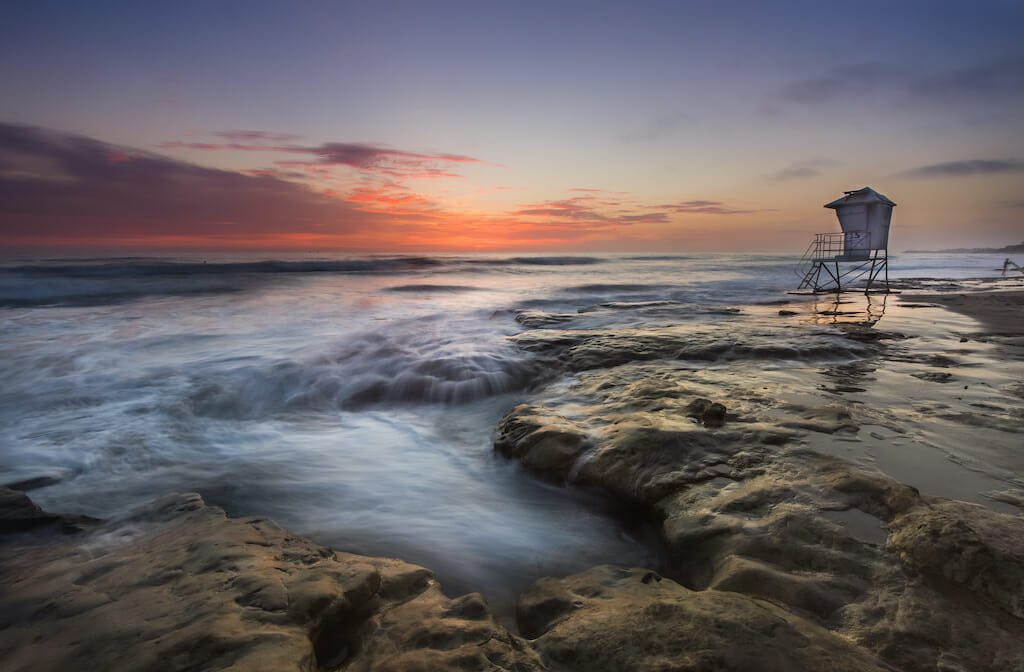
[178, 585]
[777, 557]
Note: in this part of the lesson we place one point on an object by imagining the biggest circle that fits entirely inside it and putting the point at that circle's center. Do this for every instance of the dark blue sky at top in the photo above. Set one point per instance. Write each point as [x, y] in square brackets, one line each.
[240, 45]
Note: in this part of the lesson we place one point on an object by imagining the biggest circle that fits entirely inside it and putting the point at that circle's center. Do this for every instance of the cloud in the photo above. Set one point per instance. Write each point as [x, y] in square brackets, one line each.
[369, 156]
[648, 218]
[59, 189]
[55, 185]
[596, 213]
[994, 79]
[981, 84]
[589, 212]
[657, 128]
[361, 156]
[578, 209]
[966, 168]
[221, 146]
[705, 208]
[251, 136]
[596, 191]
[844, 81]
[802, 169]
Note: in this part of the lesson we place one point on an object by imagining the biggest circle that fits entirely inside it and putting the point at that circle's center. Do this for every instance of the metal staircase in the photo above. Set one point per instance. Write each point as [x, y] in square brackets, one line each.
[837, 262]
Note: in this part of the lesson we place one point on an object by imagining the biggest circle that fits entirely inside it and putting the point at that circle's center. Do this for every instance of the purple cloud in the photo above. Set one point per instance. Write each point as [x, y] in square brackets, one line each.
[981, 84]
[366, 157]
[966, 168]
[55, 185]
[802, 169]
[997, 78]
[858, 79]
[254, 136]
[705, 208]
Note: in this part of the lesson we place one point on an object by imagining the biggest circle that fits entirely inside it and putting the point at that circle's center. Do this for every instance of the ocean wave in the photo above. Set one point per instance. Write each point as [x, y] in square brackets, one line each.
[71, 291]
[144, 266]
[432, 288]
[660, 257]
[665, 305]
[147, 266]
[101, 281]
[365, 373]
[556, 261]
[602, 288]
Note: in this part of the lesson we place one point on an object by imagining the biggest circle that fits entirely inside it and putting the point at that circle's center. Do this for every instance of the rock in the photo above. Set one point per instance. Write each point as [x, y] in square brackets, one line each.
[967, 544]
[532, 318]
[643, 464]
[580, 350]
[34, 483]
[18, 513]
[613, 618]
[179, 586]
[546, 444]
[748, 513]
[934, 376]
[921, 625]
[828, 419]
[710, 413]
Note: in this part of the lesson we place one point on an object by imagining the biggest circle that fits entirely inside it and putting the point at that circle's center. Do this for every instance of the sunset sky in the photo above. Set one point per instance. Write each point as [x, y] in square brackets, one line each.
[670, 126]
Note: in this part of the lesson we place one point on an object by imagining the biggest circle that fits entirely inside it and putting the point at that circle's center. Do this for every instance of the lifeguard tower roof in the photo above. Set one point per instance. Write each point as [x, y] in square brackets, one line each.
[859, 196]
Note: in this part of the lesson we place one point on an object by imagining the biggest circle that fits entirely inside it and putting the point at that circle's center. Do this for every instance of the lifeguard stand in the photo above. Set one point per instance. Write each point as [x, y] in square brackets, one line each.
[835, 261]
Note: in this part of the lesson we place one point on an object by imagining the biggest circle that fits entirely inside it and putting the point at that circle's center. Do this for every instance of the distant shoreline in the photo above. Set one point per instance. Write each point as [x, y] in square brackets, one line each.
[1009, 249]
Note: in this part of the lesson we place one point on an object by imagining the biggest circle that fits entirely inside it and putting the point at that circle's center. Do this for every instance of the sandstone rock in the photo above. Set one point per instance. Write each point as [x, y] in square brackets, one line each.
[586, 350]
[746, 512]
[546, 444]
[967, 544]
[612, 618]
[643, 463]
[917, 626]
[179, 586]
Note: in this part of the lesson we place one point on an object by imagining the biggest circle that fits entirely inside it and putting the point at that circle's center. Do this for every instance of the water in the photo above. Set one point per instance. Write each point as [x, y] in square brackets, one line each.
[353, 399]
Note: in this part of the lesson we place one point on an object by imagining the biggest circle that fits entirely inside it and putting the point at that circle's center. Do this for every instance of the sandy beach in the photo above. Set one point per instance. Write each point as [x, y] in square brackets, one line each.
[1000, 312]
[864, 515]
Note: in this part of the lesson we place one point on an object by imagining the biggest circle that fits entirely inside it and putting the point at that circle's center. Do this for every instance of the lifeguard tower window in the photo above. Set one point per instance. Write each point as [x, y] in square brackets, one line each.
[836, 262]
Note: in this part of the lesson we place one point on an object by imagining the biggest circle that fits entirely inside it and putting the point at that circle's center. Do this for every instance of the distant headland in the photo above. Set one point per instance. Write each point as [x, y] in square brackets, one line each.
[1009, 249]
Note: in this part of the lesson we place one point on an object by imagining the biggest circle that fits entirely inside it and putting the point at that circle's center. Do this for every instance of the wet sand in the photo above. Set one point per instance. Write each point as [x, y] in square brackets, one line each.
[939, 405]
[1000, 312]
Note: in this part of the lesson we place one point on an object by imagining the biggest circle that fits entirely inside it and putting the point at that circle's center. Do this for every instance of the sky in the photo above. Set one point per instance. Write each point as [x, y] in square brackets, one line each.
[668, 126]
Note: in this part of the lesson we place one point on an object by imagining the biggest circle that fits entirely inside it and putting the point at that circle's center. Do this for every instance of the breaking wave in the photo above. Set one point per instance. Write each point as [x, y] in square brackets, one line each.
[94, 282]
[368, 372]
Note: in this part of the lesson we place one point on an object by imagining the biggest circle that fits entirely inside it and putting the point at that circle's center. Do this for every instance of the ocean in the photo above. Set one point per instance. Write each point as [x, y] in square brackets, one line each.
[354, 398]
